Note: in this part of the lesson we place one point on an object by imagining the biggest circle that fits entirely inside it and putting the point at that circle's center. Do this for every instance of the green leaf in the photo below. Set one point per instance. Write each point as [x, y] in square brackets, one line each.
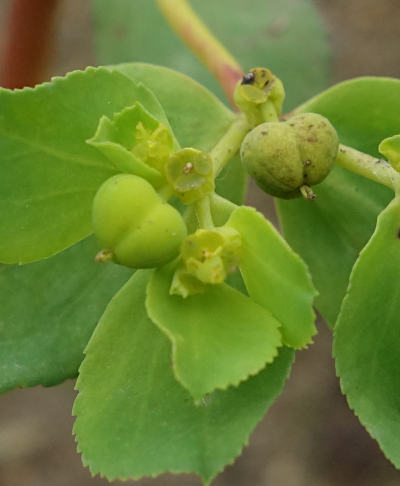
[219, 337]
[49, 174]
[262, 31]
[133, 417]
[200, 125]
[367, 335]
[330, 231]
[275, 276]
[390, 148]
[48, 311]
[232, 181]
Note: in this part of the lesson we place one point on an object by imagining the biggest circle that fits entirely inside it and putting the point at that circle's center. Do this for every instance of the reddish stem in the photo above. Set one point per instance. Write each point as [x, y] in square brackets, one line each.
[27, 43]
[196, 35]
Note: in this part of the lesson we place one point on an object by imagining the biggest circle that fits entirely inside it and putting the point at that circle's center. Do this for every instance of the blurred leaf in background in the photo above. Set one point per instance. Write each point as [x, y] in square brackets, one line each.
[286, 36]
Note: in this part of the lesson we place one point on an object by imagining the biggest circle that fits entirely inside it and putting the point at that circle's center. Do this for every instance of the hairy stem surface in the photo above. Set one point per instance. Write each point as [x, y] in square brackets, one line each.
[378, 170]
[230, 143]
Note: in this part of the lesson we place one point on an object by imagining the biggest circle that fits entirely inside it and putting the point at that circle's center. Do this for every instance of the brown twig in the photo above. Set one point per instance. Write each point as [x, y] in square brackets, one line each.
[27, 43]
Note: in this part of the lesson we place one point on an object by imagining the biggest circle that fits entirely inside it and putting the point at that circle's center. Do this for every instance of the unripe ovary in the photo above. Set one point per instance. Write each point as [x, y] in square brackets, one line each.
[130, 219]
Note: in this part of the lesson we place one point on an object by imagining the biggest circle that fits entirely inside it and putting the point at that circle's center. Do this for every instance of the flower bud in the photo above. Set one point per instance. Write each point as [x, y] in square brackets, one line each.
[130, 220]
[260, 95]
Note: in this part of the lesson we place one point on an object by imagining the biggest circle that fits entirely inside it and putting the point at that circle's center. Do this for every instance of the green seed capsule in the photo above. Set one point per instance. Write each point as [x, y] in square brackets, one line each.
[318, 145]
[283, 157]
[130, 219]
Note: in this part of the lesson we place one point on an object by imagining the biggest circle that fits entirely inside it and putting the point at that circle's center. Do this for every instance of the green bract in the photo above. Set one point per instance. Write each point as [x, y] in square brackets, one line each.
[147, 423]
[390, 148]
[131, 220]
[190, 173]
[135, 142]
[208, 257]
[284, 156]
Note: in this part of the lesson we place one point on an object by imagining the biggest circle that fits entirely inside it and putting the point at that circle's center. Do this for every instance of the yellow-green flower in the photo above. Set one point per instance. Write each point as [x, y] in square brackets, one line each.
[190, 173]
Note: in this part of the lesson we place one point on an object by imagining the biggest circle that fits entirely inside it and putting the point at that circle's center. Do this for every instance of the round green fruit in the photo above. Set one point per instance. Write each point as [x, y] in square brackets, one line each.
[130, 219]
[282, 157]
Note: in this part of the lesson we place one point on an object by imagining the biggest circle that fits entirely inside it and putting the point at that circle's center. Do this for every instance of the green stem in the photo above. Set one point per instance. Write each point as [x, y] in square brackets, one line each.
[221, 209]
[268, 112]
[202, 42]
[220, 204]
[166, 192]
[307, 192]
[203, 212]
[378, 170]
[230, 143]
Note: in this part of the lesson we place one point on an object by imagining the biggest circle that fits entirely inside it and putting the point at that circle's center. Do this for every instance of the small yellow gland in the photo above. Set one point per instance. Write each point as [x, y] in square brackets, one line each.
[208, 257]
[152, 147]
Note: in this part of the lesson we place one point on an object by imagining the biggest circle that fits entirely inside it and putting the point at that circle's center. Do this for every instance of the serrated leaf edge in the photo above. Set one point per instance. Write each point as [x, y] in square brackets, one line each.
[297, 257]
[206, 480]
[370, 428]
[197, 398]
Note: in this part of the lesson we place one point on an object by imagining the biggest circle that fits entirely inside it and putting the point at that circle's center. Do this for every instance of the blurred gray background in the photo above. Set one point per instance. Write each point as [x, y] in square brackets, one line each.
[309, 437]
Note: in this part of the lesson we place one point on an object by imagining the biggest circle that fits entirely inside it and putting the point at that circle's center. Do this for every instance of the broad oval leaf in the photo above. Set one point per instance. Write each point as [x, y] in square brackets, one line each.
[330, 231]
[275, 276]
[134, 419]
[48, 311]
[367, 335]
[199, 124]
[219, 337]
[49, 174]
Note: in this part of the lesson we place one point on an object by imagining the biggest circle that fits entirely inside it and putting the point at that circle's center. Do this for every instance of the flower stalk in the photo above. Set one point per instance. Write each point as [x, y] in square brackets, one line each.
[376, 169]
[230, 143]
